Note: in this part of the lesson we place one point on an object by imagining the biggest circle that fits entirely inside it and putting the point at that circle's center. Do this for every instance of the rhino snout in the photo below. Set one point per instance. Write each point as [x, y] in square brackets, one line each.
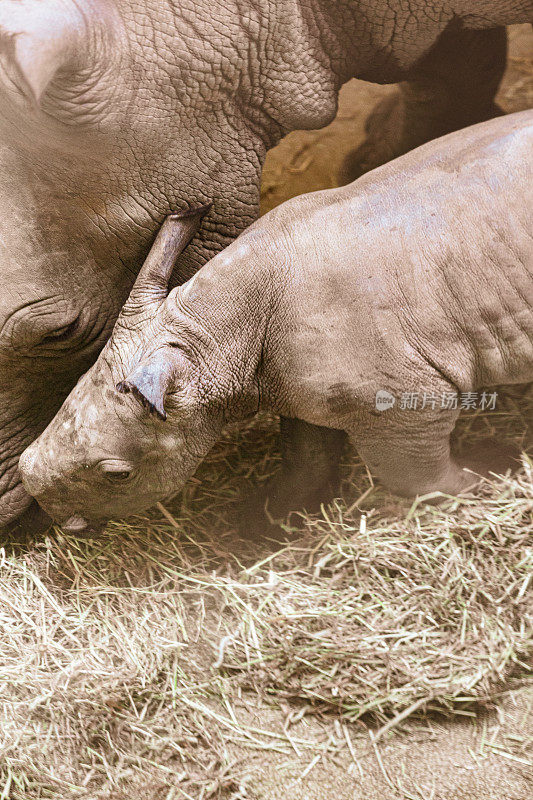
[38, 477]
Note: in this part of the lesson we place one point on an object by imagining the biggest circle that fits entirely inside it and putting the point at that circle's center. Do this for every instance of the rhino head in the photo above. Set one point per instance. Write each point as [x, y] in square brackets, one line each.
[53, 306]
[111, 450]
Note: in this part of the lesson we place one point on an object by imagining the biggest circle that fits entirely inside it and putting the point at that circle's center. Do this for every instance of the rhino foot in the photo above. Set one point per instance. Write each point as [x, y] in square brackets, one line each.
[309, 476]
[488, 458]
[286, 495]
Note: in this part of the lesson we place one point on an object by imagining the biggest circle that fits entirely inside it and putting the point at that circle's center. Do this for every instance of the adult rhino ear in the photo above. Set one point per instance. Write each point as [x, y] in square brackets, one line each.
[153, 379]
[40, 37]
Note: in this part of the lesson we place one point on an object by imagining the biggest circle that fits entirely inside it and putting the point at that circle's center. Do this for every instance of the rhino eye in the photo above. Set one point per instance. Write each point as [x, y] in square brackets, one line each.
[116, 471]
[61, 334]
[121, 475]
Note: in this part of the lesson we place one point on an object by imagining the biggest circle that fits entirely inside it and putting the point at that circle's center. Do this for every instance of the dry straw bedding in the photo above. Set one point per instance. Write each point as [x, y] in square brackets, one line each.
[125, 659]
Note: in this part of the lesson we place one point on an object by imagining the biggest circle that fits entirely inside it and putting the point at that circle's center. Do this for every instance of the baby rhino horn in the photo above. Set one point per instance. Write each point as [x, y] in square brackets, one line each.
[150, 382]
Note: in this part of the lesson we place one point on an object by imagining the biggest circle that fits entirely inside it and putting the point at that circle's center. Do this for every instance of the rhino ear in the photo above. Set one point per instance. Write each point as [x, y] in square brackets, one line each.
[177, 230]
[151, 381]
[37, 38]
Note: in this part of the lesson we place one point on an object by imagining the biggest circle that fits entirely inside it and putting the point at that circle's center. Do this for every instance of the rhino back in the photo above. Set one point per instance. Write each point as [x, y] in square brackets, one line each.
[468, 284]
[427, 260]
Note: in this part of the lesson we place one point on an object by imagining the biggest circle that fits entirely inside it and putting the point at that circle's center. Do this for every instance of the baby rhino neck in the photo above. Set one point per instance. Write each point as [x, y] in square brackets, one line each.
[223, 318]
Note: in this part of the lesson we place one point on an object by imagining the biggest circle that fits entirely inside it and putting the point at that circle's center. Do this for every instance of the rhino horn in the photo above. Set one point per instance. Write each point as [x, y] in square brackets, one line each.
[176, 232]
[40, 37]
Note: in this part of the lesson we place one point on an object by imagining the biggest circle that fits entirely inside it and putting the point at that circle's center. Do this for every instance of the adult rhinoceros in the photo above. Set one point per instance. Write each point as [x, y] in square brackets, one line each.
[114, 112]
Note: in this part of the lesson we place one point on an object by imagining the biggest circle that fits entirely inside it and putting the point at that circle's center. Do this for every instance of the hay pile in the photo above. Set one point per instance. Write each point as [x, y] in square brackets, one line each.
[125, 660]
[393, 615]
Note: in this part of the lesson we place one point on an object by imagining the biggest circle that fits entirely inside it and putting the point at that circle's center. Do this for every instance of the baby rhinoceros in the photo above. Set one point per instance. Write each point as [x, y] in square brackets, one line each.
[416, 280]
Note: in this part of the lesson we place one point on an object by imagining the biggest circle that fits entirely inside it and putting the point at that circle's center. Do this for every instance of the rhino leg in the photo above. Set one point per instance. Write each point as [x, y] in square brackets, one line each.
[452, 86]
[309, 474]
[410, 452]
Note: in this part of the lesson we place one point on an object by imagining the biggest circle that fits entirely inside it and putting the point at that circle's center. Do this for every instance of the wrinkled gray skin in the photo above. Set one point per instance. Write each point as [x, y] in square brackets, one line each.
[418, 277]
[115, 112]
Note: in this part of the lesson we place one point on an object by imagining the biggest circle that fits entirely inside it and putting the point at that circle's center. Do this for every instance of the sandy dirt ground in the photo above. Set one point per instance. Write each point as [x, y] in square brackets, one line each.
[433, 760]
